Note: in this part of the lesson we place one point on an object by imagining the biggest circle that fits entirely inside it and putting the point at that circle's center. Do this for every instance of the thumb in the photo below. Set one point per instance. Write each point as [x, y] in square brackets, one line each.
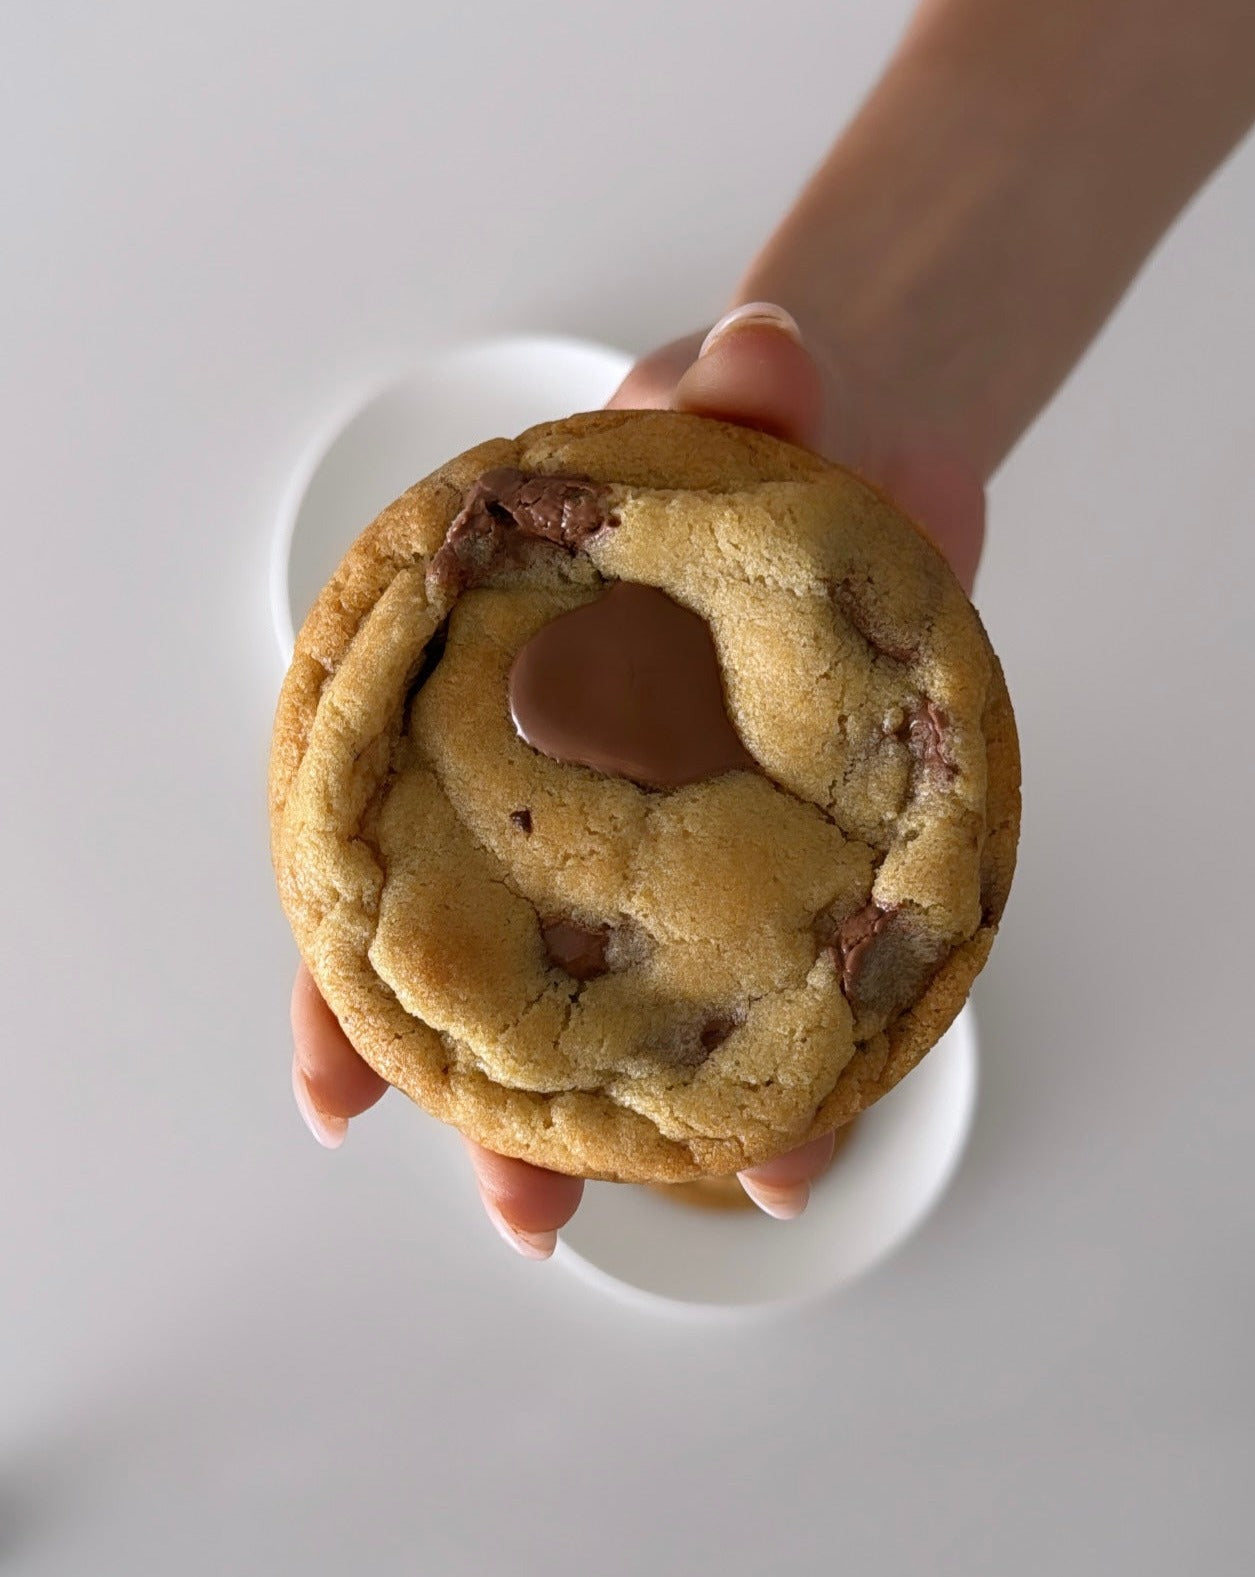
[753, 369]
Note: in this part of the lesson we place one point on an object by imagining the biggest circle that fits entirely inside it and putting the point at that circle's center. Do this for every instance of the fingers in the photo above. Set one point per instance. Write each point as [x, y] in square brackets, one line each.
[751, 369]
[525, 1203]
[330, 1081]
[783, 1187]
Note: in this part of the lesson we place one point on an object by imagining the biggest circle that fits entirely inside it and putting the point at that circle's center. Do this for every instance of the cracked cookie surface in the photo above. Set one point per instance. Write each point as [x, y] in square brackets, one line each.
[598, 974]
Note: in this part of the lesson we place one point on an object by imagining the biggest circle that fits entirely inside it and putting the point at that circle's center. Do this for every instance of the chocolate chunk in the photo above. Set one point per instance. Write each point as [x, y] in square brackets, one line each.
[563, 509]
[886, 958]
[522, 819]
[686, 1045]
[503, 510]
[579, 949]
[854, 936]
[628, 685]
[688, 1039]
[925, 737]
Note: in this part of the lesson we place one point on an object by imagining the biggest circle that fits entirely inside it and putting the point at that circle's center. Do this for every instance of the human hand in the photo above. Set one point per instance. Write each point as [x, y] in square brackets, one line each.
[752, 369]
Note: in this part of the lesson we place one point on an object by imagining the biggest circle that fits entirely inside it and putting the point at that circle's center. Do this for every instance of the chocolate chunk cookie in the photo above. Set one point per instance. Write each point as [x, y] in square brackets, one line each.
[644, 795]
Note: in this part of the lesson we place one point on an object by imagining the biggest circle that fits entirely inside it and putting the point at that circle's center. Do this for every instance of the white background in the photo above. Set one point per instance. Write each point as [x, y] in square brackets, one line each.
[223, 1350]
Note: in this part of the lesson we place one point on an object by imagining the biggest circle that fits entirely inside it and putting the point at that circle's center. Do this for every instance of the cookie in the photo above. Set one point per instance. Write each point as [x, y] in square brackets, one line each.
[644, 795]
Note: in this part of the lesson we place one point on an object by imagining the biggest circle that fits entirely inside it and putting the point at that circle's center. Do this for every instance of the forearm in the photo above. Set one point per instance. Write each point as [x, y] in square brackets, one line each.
[998, 191]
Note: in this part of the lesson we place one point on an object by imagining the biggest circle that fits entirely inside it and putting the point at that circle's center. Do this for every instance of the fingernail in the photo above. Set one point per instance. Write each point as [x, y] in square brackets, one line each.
[784, 1201]
[531, 1245]
[753, 314]
[328, 1130]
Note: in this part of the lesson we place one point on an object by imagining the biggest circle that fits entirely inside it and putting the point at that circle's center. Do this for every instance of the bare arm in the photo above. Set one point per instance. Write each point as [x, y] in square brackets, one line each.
[992, 200]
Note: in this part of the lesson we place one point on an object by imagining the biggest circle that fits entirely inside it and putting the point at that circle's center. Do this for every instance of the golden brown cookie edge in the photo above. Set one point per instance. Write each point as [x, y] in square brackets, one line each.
[553, 1131]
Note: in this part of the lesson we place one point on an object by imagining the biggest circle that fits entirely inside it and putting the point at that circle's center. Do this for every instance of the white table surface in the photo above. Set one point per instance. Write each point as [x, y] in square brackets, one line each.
[223, 1350]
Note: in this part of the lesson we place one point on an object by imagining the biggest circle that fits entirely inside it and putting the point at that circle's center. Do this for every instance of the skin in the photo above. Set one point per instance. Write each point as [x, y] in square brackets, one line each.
[948, 264]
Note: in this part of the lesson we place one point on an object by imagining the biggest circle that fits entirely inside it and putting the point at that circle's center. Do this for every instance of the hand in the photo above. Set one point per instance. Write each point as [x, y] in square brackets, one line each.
[751, 369]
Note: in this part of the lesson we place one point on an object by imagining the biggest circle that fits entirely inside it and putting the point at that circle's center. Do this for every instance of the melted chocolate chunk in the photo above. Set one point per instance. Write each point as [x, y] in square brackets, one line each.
[503, 510]
[687, 1042]
[926, 738]
[628, 685]
[886, 958]
[854, 936]
[578, 949]
[522, 819]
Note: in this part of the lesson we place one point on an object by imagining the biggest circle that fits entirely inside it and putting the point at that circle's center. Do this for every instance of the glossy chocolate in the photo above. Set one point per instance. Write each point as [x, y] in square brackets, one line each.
[628, 685]
[503, 510]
